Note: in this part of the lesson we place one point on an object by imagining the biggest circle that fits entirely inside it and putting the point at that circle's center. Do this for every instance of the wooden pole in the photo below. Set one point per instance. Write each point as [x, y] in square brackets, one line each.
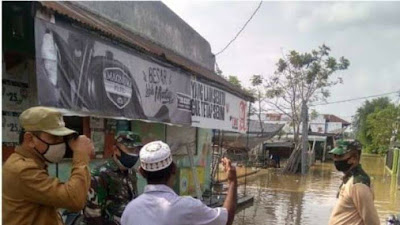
[247, 148]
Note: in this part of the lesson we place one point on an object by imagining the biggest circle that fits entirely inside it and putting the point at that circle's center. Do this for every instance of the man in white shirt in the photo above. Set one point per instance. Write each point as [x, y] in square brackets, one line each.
[160, 205]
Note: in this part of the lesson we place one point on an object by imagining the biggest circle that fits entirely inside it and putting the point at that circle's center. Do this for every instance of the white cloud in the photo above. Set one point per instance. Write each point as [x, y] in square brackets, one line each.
[341, 15]
[367, 33]
[327, 15]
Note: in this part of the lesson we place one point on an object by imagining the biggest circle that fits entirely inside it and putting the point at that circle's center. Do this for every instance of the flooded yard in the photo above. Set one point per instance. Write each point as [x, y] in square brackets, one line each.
[296, 199]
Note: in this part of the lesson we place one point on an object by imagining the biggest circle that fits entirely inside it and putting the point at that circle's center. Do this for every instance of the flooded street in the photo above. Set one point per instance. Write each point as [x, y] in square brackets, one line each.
[293, 199]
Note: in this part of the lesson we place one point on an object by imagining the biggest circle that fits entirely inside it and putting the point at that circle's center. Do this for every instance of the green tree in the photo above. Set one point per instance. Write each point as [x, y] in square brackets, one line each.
[258, 93]
[314, 114]
[302, 78]
[360, 120]
[382, 125]
[235, 81]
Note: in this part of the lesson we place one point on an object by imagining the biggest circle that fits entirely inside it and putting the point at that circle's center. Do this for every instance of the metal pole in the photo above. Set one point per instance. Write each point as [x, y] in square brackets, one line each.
[324, 153]
[247, 147]
[313, 153]
[219, 152]
[304, 137]
[165, 133]
[194, 173]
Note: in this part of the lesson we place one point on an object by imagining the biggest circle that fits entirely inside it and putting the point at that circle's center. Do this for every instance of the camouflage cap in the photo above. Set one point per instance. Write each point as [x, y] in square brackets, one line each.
[129, 139]
[343, 147]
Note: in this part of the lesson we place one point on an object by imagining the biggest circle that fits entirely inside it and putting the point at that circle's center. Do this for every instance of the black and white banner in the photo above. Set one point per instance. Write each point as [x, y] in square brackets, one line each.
[214, 108]
[79, 71]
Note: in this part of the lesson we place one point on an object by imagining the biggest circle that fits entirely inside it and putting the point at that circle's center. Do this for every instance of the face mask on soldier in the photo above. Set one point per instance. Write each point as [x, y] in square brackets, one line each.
[342, 165]
[127, 160]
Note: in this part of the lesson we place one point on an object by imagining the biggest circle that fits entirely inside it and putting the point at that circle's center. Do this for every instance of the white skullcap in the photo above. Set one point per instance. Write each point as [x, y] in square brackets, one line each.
[155, 156]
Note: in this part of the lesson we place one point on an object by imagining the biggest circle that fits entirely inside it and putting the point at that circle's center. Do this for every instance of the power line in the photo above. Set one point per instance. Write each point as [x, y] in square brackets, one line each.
[355, 99]
[240, 31]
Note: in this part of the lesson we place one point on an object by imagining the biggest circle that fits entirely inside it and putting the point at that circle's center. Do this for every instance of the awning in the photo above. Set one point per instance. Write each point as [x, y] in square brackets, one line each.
[253, 138]
[129, 38]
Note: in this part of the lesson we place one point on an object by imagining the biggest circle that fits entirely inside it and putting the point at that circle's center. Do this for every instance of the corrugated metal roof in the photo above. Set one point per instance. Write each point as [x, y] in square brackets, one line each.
[255, 127]
[119, 33]
[237, 140]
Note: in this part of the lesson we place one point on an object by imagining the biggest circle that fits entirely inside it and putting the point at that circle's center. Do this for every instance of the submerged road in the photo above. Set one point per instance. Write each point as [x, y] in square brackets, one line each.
[309, 200]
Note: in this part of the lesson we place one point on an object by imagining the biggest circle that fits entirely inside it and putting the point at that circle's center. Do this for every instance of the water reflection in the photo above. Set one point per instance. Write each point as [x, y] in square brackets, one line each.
[295, 199]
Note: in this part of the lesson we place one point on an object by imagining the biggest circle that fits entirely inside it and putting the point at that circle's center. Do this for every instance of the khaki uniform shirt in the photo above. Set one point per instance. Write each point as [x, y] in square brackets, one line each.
[355, 205]
[31, 196]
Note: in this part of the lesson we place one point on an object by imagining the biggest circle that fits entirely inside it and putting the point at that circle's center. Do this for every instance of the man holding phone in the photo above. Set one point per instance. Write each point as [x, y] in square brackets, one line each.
[30, 195]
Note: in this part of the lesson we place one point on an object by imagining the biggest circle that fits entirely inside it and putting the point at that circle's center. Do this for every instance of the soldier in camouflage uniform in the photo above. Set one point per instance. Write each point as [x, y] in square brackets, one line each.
[355, 205]
[114, 183]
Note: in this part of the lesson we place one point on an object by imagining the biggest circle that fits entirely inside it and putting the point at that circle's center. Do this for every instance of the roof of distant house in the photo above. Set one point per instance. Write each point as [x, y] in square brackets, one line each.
[327, 117]
[333, 118]
[268, 128]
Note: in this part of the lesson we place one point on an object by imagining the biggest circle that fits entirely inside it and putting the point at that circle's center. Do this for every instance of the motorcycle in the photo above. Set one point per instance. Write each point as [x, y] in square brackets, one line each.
[393, 220]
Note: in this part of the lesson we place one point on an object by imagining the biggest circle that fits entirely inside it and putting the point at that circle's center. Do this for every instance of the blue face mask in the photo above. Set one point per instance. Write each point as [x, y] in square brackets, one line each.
[127, 160]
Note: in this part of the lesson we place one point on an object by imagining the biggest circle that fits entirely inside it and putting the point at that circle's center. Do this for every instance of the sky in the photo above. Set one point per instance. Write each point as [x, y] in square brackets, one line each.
[366, 33]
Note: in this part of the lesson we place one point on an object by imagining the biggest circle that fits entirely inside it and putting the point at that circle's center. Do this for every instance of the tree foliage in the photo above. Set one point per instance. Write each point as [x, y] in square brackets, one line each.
[360, 120]
[258, 92]
[302, 78]
[235, 81]
[314, 114]
[381, 126]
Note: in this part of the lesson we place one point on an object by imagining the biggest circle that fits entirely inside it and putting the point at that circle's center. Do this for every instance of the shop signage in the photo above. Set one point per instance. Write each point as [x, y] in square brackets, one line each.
[214, 108]
[11, 128]
[79, 71]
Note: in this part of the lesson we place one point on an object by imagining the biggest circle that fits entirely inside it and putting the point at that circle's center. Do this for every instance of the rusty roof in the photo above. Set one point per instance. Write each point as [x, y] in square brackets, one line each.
[119, 33]
[333, 118]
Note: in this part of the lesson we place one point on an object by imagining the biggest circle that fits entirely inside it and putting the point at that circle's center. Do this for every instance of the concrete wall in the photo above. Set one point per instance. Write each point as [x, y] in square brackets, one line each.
[156, 22]
[202, 159]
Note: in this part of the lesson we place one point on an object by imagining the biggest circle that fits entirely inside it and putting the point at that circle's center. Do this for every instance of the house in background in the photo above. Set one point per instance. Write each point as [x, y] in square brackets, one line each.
[323, 129]
[323, 123]
[335, 124]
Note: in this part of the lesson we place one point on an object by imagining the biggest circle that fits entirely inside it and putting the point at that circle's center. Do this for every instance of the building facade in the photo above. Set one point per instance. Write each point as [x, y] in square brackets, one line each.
[108, 70]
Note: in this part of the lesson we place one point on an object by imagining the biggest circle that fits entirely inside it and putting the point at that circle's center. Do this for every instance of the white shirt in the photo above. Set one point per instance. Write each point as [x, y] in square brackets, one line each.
[160, 205]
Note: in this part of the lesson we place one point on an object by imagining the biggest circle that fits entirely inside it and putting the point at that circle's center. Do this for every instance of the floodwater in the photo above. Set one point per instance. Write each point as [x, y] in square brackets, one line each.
[309, 200]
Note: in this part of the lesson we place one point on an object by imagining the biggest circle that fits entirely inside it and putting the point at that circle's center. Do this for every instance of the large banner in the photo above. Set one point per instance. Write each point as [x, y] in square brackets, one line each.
[83, 72]
[214, 108]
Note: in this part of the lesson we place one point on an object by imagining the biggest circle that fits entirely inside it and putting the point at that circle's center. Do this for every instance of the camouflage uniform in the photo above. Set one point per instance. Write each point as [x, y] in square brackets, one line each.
[359, 176]
[111, 189]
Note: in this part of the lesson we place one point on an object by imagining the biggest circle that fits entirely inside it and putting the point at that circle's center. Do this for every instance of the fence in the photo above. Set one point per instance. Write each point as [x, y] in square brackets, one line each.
[393, 162]
[389, 159]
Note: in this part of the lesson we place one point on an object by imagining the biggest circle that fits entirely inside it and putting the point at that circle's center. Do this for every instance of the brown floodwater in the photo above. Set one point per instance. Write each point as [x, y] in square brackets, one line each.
[309, 200]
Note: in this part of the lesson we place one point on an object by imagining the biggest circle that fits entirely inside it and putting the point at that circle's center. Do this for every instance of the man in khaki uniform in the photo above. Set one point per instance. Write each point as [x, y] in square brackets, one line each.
[355, 204]
[30, 195]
